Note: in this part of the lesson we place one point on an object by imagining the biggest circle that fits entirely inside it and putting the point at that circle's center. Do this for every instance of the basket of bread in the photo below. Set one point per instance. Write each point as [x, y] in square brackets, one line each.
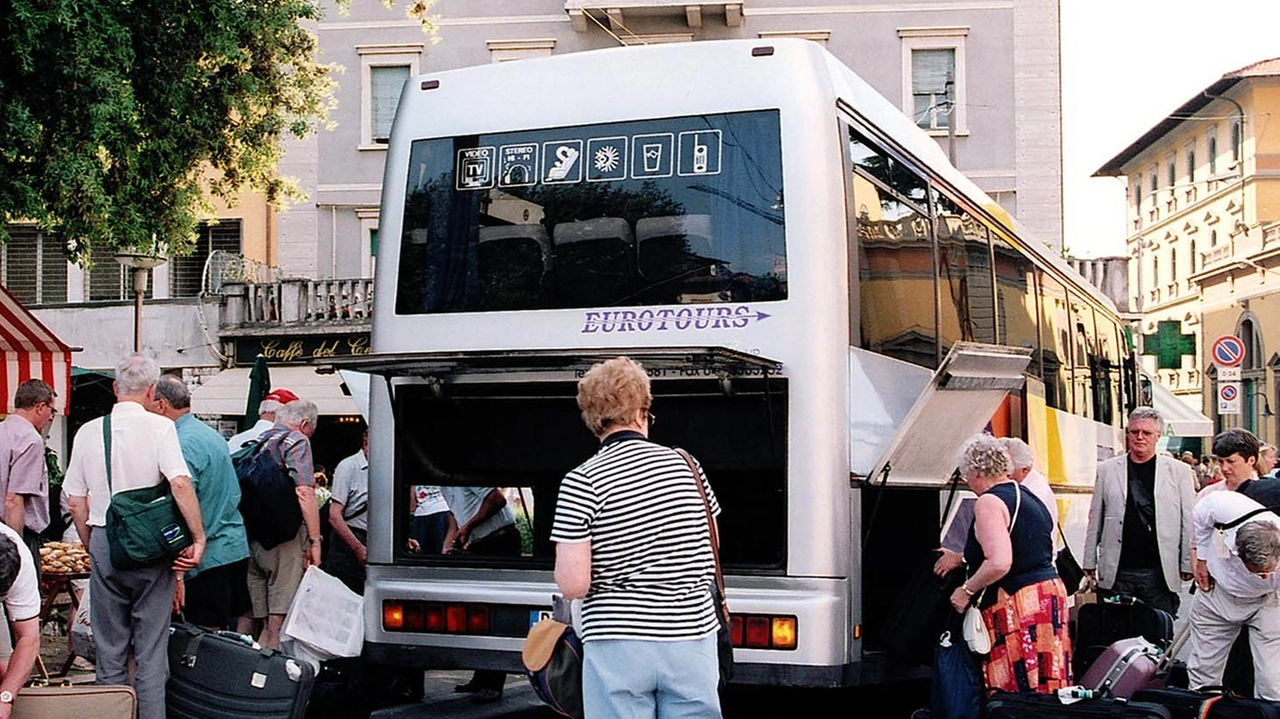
[64, 558]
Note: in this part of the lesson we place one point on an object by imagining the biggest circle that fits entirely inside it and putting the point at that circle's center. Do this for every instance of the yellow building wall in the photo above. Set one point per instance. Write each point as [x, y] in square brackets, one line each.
[257, 224]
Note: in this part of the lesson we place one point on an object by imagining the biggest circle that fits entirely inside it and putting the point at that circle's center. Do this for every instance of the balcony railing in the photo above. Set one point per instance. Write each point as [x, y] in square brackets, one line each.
[297, 302]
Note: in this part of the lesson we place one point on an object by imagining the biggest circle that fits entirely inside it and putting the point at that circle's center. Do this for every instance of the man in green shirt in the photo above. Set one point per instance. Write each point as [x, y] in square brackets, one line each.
[216, 591]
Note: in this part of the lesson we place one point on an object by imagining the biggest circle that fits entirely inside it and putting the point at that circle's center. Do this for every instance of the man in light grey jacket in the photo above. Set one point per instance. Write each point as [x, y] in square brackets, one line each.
[1139, 537]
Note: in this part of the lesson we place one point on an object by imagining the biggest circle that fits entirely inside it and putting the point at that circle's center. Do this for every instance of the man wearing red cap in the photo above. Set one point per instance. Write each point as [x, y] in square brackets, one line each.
[274, 400]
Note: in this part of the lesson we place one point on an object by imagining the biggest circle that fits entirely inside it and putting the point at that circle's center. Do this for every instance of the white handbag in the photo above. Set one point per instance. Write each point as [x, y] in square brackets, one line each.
[975, 632]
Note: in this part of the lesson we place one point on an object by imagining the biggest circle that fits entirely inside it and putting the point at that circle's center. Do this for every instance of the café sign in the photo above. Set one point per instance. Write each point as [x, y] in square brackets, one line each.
[297, 350]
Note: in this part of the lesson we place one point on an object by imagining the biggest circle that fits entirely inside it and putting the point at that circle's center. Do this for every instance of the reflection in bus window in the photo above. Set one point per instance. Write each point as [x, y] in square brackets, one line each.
[964, 276]
[1017, 313]
[673, 211]
[514, 260]
[595, 261]
[895, 266]
[1085, 357]
[1055, 342]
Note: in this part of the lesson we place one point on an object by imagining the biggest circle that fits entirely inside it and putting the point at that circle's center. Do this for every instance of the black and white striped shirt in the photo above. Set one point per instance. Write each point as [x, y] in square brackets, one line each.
[651, 561]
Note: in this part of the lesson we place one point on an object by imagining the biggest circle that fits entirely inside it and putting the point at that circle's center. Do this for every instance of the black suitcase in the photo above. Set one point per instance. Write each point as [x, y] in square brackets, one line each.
[213, 675]
[1189, 704]
[1047, 706]
[1100, 625]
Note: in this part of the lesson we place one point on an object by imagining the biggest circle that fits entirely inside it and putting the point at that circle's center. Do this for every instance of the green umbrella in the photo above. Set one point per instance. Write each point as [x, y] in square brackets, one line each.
[259, 386]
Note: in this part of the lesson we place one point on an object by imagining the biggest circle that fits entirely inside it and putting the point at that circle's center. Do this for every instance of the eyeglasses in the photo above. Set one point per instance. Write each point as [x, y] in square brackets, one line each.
[650, 418]
[1140, 433]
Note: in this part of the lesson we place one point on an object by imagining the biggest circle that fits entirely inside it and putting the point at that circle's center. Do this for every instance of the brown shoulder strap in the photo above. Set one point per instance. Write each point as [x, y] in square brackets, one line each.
[711, 524]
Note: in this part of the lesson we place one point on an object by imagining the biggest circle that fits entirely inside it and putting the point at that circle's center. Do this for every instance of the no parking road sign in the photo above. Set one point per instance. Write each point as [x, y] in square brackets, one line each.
[1228, 351]
[1228, 398]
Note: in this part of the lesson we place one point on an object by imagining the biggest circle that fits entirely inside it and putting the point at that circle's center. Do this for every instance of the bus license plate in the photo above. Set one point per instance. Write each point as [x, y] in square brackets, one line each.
[538, 615]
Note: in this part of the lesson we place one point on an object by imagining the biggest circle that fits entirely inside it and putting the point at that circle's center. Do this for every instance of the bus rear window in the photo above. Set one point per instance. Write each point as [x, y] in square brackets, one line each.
[659, 212]
[520, 439]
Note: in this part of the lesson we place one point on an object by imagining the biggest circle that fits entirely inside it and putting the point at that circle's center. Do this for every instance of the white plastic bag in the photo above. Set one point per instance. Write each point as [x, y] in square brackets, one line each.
[325, 618]
[81, 632]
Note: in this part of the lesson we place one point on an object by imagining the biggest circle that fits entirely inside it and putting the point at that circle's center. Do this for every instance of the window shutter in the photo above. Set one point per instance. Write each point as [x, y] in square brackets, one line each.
[930, 70]
[186, 273]
[386, 83]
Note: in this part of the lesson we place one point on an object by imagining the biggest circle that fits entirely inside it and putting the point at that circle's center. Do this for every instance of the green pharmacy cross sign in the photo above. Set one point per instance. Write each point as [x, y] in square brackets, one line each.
[1168, 344]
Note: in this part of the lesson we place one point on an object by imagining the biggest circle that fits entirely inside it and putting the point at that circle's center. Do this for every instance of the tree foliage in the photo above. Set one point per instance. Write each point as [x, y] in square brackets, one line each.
[117, 115]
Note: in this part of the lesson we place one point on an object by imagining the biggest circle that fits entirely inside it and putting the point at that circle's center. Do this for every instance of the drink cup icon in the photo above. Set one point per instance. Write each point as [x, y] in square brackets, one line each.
[652, 157]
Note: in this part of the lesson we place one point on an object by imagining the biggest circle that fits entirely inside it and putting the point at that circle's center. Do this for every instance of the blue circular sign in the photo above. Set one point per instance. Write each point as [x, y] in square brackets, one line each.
[1228, 351]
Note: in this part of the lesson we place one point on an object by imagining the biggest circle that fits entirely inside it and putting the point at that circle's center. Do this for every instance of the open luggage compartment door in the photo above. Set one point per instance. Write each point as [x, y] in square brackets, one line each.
[957, 403]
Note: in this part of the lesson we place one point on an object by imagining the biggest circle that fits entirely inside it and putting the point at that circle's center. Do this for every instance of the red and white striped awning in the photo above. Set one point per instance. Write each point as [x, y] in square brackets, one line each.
[29, 350]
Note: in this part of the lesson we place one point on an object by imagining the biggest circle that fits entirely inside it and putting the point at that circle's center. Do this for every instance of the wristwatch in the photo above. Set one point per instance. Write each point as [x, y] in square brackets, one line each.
[6, 697]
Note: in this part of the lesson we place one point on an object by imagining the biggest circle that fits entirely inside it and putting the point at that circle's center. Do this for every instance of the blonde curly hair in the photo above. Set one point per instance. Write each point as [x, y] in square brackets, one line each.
[984, 456]
[611, 393]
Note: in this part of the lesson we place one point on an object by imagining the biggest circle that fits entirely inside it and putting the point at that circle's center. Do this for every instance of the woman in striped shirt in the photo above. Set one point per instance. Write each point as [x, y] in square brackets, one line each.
[633, 539]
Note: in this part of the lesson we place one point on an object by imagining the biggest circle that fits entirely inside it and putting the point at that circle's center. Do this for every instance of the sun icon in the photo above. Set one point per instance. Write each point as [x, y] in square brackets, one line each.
[606, 159]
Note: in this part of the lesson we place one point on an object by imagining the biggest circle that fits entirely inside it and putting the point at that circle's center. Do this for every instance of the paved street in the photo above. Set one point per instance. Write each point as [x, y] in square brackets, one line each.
[739, 702]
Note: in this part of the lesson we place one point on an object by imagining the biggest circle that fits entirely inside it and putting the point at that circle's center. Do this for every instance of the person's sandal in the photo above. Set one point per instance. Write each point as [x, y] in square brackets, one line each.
[470, 687]
[486, 696]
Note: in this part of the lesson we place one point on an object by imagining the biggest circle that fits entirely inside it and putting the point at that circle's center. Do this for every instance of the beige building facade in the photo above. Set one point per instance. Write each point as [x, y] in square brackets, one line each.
[1204, 238]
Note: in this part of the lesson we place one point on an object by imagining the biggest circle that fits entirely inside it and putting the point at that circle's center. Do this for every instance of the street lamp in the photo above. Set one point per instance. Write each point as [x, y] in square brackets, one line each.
[140, 263]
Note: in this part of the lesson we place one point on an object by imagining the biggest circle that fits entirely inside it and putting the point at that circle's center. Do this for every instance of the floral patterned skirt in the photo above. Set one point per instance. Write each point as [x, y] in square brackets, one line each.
[1030, 646]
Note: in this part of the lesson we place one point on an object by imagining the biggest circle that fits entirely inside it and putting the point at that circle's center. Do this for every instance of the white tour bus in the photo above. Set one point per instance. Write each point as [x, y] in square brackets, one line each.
[826, 307]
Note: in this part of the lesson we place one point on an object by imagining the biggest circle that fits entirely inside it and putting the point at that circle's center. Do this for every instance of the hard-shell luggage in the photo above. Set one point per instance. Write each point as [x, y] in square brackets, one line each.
[1101, 624]
[223, 674]
[79, 701]
[1049, 706]
[1124, 668]
[1189, 704]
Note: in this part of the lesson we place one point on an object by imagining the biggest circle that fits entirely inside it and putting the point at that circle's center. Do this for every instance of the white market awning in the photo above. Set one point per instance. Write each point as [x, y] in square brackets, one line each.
[227, 392]
[1180, 418]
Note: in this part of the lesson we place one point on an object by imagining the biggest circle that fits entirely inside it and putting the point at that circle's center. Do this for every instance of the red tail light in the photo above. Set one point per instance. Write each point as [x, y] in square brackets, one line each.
[477, 619]
[455, 618]
[762, 631]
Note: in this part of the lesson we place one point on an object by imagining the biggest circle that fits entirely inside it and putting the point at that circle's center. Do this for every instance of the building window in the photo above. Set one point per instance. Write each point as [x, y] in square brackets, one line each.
[1191, 164]
[1193, 257]
[931, 73]
[1213, 155]
[1155, 271]
[1213, 238]
[1137, 195]
[1236, 138]
[33, 266]
[1171, 174]
[932, 57]
[1173, 264]
[110, 281]
[508, 50]
[384, 70]
[1154, 177]
[186, 273]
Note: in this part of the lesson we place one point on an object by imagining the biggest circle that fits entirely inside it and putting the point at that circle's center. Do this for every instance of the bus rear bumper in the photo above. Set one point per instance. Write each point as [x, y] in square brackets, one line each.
[778, 675]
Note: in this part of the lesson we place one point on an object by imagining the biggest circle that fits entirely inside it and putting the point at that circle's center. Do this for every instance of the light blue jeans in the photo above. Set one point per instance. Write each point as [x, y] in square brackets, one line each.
[636, 679]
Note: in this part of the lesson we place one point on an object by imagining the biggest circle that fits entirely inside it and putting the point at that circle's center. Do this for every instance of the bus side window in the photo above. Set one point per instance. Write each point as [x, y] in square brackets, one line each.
[896, 273]
[1018, 311]
[1055, 342]
[964, 276]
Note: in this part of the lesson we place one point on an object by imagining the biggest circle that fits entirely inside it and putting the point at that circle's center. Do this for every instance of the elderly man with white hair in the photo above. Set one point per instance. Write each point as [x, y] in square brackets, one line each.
[267, 410]
[131, 607]
[1139, 538]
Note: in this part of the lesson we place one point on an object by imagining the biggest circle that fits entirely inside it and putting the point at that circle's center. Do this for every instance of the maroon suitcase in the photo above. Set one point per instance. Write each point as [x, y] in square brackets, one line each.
[1125, 667]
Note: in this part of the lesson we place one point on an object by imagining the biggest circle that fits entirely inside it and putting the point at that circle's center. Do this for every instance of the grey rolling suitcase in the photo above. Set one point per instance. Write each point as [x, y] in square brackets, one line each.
[220, 675]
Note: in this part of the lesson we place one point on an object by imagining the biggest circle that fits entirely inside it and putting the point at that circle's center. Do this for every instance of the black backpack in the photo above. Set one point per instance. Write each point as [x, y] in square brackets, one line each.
[268, 498]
